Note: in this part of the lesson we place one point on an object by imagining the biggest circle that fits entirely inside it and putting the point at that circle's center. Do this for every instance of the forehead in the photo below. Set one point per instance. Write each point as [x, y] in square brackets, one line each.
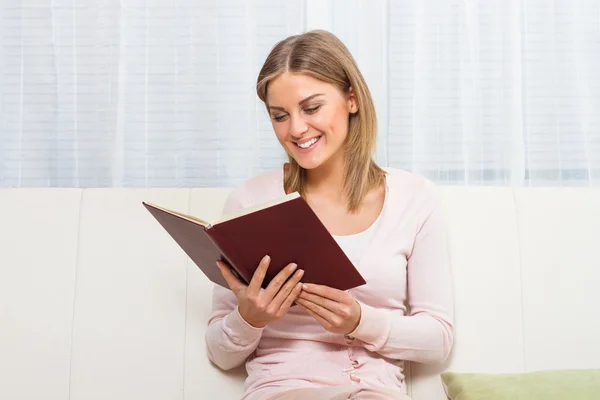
[290, 88]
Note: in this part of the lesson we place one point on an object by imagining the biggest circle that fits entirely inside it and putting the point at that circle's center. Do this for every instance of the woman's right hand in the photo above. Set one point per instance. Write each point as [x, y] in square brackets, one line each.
[259, 306]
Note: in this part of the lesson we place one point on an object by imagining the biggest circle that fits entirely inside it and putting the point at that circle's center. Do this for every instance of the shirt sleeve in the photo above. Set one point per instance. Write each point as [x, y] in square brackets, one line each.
[426, 333]
[229, 338]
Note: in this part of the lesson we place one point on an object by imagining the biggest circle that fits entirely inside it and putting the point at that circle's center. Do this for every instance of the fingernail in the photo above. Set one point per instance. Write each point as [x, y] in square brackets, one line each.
[266, 259]
[300, 273]
[293, 267]
[304, 286]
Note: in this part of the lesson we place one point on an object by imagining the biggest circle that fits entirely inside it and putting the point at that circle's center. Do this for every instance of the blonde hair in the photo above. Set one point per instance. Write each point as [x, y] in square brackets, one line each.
[321, 55]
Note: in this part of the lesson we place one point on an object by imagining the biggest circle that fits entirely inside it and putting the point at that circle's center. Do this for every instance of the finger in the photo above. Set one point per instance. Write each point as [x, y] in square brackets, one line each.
[232, 281]
[316, 316]
[259, 275]
[317, 309]
[328, 292]
[277, 282]
[287, 303]
[333, 306]
[290, 285]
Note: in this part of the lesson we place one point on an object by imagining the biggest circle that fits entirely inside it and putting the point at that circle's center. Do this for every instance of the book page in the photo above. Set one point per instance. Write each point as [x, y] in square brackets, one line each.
[190, 218]
[259, 207]
[231, 216]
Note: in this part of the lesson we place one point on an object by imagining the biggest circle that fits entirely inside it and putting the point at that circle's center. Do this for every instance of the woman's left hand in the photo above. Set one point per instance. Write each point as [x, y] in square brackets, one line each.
[335, 310]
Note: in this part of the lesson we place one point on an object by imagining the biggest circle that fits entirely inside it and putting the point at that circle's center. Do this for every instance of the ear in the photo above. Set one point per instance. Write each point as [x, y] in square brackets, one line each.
[352, 101]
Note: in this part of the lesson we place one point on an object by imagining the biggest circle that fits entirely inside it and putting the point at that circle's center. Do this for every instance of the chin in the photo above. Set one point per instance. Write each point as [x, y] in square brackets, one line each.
[309, 165]
[306, 162]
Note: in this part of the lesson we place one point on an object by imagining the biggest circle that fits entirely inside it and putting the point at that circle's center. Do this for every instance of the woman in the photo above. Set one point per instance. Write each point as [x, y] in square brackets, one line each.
[336, 344]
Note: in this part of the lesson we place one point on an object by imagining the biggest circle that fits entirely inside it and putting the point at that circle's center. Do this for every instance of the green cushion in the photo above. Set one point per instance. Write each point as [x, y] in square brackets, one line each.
[540, 385]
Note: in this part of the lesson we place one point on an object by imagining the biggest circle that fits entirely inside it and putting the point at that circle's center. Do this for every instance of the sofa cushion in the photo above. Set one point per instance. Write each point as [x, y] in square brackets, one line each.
[543, 385]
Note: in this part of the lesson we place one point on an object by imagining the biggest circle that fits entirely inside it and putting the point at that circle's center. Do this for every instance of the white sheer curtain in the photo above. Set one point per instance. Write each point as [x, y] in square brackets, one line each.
[136, 93]
[149, 93]
[494, 92]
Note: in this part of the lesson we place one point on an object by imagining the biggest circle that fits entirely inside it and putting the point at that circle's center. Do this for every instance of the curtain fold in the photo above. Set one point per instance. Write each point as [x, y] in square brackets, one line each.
[145, 93]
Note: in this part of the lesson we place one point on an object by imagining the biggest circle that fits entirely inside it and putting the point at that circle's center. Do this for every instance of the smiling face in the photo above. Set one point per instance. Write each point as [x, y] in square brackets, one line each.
[310, 118]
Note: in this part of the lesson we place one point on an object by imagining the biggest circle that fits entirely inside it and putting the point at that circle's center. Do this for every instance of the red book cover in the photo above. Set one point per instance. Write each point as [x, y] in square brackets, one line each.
[287, 230]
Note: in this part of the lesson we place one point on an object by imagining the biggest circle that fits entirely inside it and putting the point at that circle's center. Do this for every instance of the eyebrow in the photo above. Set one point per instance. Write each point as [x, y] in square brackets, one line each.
[306, 100]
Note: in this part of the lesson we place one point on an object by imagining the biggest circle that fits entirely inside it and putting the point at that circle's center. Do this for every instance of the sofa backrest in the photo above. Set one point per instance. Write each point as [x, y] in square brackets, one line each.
[99, 302]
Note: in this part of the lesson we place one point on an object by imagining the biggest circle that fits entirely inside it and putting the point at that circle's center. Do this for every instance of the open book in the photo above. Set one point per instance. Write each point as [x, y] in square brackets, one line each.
[286, 229]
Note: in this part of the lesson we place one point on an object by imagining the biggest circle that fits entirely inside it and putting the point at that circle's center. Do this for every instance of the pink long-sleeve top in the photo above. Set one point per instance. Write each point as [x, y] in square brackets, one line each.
[407, 306]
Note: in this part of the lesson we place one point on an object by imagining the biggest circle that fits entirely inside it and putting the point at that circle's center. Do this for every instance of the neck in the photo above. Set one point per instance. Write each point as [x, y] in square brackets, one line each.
[327, 179]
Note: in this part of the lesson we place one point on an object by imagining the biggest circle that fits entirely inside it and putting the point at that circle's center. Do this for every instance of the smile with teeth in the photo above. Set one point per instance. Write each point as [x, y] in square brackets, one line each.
[306, 145]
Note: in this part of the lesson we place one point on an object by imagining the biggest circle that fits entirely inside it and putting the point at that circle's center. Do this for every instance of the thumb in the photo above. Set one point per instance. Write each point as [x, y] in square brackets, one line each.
[234, 283]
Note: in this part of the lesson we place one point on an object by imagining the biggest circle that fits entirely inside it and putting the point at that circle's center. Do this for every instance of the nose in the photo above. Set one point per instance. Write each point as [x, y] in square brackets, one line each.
[298, 126]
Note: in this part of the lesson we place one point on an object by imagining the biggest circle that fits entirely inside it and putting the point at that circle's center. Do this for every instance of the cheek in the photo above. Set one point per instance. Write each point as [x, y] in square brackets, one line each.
[338, 123]
[331, 120]
[280, 130]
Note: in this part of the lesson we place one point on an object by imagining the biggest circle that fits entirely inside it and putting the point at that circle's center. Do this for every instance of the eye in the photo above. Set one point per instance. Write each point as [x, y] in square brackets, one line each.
[280, 117]
[312, 110]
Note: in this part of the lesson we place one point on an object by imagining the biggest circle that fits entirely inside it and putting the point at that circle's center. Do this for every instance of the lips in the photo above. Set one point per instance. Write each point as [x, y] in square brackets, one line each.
[309, 143]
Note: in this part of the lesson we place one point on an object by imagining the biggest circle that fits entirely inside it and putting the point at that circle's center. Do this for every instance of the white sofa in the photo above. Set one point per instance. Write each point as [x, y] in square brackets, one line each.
[98, 302]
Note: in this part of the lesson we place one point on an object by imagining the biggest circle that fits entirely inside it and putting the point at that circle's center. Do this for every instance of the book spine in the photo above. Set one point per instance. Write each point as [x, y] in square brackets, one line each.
[209, 230]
